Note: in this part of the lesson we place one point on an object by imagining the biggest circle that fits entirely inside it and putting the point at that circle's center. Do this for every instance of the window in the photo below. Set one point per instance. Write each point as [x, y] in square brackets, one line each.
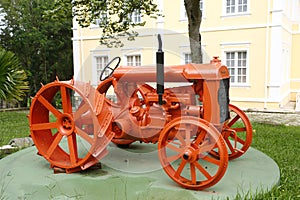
[236, 6]
[187, 58]
[136, 17]
[102, 18]
[236, 62]
[201, 5]
[101, 62]
[134, 60]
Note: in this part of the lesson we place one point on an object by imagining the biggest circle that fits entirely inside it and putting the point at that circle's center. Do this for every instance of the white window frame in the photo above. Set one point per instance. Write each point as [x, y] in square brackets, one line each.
[95, 70]
[136, 17]
[202, 6]
[185, 49]
[102, 63]
[236, 6]
[224, 59]
[102, 16]
[134, 61]
[184, 57]
[96, 22]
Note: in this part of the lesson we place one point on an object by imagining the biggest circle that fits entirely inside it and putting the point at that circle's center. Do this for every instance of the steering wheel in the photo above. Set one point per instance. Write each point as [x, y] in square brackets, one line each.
[111, 70]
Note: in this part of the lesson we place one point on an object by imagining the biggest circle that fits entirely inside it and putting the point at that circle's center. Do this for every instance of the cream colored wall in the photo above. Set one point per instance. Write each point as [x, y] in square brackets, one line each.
[295, 67]
[295, 56]
[219, 33]
[221, 41]
[215, 16]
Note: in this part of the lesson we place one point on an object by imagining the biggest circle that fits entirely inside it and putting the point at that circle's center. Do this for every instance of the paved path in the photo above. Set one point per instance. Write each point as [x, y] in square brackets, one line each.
[285, 118]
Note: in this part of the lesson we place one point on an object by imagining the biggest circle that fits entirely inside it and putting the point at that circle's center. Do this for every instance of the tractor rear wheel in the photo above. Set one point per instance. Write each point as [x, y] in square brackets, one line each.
[70, 124]
[237, 133]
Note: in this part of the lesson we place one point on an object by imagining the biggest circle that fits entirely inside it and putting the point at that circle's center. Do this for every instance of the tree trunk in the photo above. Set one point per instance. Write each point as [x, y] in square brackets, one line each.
[194, 15]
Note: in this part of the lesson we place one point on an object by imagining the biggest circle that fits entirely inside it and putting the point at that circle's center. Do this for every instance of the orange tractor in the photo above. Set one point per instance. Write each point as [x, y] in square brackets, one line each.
[196, 129]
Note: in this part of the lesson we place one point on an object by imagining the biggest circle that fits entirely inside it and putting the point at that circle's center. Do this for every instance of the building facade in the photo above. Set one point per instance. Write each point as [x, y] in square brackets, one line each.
[259, 42]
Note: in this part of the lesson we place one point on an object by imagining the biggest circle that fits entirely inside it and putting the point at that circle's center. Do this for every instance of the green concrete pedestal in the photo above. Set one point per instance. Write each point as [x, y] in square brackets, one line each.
[129, 174]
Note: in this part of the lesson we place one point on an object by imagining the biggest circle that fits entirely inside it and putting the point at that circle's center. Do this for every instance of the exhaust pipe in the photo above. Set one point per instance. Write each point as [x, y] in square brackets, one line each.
[160, 71]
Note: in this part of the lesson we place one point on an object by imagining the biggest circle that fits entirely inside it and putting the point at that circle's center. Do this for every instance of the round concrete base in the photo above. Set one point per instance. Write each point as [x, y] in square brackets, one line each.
[131, 174]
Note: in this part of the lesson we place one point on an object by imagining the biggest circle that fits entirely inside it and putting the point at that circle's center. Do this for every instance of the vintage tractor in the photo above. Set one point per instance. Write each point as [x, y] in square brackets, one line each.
[196, 129]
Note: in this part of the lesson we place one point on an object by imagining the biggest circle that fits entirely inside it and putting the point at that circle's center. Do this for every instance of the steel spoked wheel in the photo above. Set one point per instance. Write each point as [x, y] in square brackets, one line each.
[237, 133]
[66, 125]
[184, 147]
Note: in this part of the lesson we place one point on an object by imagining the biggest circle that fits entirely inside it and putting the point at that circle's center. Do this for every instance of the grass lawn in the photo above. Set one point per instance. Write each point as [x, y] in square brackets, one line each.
[13, 124]
[282, 143]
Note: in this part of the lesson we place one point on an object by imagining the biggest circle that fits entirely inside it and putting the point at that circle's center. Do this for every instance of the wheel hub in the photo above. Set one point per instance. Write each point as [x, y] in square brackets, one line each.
[66, 124]
[190, 154]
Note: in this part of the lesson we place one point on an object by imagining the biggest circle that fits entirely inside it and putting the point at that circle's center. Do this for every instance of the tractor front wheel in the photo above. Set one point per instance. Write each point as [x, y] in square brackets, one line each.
[184, 147]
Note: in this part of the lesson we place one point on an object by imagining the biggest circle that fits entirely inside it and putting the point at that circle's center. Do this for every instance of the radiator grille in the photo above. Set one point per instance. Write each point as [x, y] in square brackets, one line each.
[223, 99]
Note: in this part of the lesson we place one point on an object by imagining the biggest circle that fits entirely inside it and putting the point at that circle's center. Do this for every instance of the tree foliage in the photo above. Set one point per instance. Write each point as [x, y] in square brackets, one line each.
[42, 42]
[114, 16]
[13, 79]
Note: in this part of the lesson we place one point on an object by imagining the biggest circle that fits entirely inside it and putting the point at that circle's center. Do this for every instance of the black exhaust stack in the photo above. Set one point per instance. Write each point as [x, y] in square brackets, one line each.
[160, 71]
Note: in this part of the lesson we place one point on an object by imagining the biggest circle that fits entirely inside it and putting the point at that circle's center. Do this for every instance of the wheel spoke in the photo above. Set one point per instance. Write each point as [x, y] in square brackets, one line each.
[73, 148]
[180, 138]
[81, 110]
[53, 145]
[193, 173]
[187, 137]
[238, 139]
[202, 170]
[180, 168]
[199, 138]
[43, 126]
[240, 129]
[229, 145]
[48, 105]
[84, 135]
[235, 119]
[211, 160]
[205, 147]
[66, 101]
[175, 142]
[174, 148]
[173, 158]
